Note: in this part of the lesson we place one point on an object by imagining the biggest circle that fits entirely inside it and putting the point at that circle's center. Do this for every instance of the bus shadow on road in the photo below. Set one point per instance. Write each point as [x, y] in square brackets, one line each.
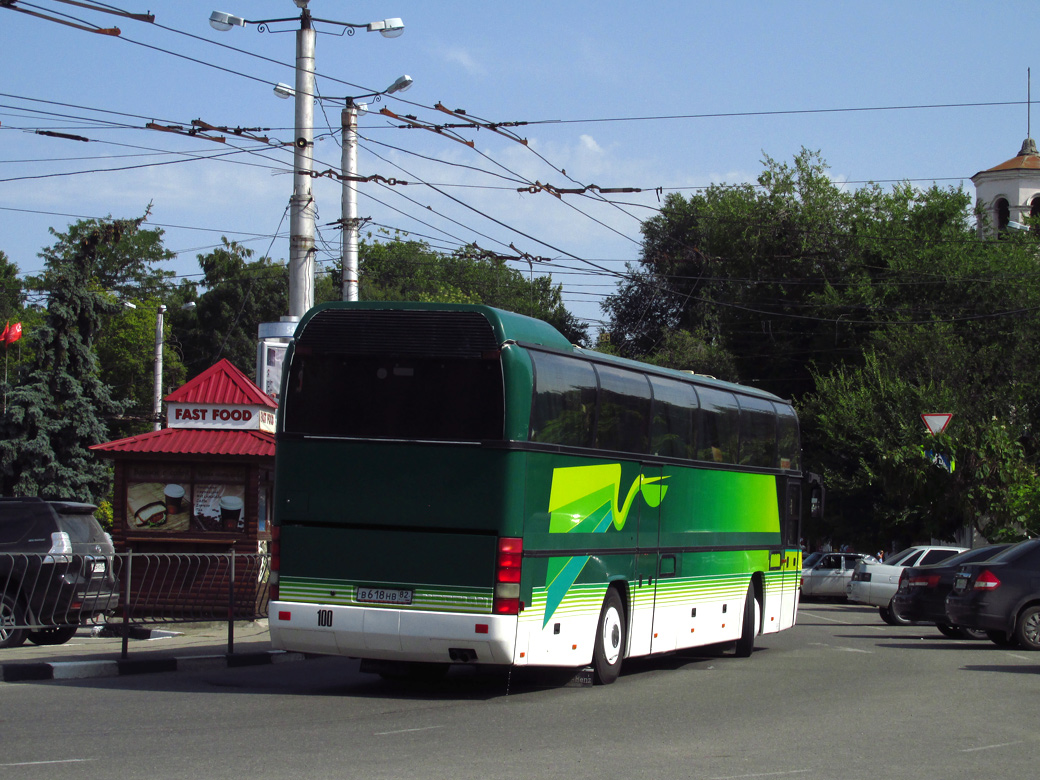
[484, 683]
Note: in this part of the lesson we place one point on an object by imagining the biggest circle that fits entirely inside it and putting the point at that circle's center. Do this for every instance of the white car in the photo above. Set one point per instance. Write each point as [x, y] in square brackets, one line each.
[828, 574]
[876, 582]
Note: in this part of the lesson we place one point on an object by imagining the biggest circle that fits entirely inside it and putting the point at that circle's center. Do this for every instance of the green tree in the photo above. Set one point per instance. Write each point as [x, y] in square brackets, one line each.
[871, 307]
[683, 350]
[13, 310]
[124, 266]
[239, 294]
[12, 297]
[126, 354]
[792, 272]
[884, 480]
[57, 410]
[411, 271]
[128, 268]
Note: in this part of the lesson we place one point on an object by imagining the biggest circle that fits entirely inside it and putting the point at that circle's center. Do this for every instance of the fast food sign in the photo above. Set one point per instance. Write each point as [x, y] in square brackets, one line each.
[228, 417]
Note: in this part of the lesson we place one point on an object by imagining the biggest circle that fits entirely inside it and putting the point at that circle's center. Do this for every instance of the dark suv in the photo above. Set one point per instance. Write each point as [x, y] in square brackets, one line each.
[1000, 596]
[56, 570]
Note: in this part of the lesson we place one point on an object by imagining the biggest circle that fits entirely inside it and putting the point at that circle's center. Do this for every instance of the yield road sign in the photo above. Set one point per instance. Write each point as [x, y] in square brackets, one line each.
[936, 423]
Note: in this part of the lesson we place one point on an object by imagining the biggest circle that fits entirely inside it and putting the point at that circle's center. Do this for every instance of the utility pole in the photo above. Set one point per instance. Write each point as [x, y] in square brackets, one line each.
[348, 196]
[301, 205]
[349, 239]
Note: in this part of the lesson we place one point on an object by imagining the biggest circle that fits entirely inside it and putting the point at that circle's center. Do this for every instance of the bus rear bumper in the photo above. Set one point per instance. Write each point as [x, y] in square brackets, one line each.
[393, 634]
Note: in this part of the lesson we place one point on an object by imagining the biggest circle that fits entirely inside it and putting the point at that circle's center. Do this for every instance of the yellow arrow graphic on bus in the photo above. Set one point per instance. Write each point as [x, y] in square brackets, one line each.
[584, 499]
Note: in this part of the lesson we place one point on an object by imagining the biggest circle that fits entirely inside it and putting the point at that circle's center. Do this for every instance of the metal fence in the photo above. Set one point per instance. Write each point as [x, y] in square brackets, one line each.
[49, 596]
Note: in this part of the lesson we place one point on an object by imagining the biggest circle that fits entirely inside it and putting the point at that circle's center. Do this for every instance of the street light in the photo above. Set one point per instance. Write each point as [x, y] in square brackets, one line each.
[301, 205]
[157, 394]
[348, 199]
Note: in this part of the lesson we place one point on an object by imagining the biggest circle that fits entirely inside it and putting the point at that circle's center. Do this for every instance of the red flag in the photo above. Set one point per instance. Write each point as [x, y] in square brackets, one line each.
[13, 333]
[3, 336]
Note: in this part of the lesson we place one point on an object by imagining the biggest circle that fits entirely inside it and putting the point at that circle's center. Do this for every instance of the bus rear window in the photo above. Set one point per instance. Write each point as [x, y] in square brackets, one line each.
[360, 396]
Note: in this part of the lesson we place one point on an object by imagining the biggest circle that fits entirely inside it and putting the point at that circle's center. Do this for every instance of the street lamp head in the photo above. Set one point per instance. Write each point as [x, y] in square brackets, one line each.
[223, 22]
[301, 3]
[388, 28]
[284, 91]
[401, 85]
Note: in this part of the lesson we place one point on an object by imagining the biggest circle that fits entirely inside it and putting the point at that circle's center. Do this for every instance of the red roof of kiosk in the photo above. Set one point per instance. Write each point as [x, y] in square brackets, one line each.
[222, 383]
[181, 441]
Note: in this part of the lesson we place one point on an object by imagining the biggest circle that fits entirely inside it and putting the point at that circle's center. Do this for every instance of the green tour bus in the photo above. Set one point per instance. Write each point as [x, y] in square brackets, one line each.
[455, 484]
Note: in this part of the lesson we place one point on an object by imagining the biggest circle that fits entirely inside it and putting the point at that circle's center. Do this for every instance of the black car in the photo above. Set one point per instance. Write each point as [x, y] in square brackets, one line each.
[921, 597]
[1000, 596]
[56, 570]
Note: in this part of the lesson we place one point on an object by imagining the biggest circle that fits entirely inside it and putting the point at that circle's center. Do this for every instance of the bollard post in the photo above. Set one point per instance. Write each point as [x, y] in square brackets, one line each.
[125, 653]
[231, 605]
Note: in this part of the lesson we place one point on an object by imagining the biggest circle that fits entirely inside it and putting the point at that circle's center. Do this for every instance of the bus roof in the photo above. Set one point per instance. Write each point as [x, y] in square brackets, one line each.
[528, 331]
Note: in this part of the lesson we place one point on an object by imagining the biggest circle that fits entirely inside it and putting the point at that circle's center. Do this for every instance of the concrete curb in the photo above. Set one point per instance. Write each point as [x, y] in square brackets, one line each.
[82, 670]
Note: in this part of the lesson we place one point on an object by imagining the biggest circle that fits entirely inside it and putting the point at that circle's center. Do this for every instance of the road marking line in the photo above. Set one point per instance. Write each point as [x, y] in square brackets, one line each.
[56, 761]
[991, 747]
[833, 620]
[763, 774]
[405, 731]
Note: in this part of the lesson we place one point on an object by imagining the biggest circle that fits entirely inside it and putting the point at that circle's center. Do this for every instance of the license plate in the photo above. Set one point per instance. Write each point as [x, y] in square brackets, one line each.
[98, 567]
[383, 596]
[960, 582]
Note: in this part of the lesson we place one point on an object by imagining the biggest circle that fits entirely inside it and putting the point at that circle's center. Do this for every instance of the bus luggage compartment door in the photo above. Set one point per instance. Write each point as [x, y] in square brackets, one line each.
[652, 631]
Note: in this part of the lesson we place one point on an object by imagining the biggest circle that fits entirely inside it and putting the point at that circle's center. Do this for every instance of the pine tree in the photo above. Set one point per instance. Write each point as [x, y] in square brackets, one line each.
[57, 410]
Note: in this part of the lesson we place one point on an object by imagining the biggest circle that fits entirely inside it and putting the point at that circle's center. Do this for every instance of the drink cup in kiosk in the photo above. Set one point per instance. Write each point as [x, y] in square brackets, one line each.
[231, 512]
[174, 495]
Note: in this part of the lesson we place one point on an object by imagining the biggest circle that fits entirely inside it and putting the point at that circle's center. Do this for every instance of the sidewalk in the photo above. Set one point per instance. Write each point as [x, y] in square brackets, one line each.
[173, 647]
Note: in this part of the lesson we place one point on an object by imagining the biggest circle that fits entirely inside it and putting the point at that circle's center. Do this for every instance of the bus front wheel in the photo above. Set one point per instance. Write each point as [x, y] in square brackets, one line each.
[610, 640]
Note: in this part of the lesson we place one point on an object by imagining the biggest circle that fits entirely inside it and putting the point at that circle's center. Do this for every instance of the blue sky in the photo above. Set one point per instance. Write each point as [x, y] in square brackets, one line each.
[670, 95]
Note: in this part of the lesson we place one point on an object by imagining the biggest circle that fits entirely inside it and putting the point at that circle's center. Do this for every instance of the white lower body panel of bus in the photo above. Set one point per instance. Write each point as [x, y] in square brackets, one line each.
[393, 634]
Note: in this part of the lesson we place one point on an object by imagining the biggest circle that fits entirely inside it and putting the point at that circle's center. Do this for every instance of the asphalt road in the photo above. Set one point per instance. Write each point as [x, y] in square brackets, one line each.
[840, 696]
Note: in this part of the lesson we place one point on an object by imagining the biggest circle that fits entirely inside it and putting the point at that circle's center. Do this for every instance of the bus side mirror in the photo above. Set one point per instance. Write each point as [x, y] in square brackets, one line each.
[817, 494]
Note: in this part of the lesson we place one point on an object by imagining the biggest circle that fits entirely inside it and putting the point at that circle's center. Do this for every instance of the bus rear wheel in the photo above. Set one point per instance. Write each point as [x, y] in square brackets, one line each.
[610, 640]
[749, 628]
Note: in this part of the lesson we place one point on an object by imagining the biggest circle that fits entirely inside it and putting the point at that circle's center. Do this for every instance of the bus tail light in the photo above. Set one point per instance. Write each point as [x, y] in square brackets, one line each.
[507, 576]
[276, 562]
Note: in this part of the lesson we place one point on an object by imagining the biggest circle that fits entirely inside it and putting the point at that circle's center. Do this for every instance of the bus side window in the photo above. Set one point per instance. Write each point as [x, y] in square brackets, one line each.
[673, 428]
[719, 425]
[757, 432]
[564, 406]
[623, 422]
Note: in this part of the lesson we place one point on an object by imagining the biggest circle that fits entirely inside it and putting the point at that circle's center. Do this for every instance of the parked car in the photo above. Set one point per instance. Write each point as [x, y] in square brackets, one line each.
[829, 574]
[811, 559]
[1000, 596]
[56, 570]
[875, 582]
[921, 597]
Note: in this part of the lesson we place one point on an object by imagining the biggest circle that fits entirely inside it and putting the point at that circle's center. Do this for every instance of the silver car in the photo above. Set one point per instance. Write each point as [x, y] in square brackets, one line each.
[828, 574]
[876, 583]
